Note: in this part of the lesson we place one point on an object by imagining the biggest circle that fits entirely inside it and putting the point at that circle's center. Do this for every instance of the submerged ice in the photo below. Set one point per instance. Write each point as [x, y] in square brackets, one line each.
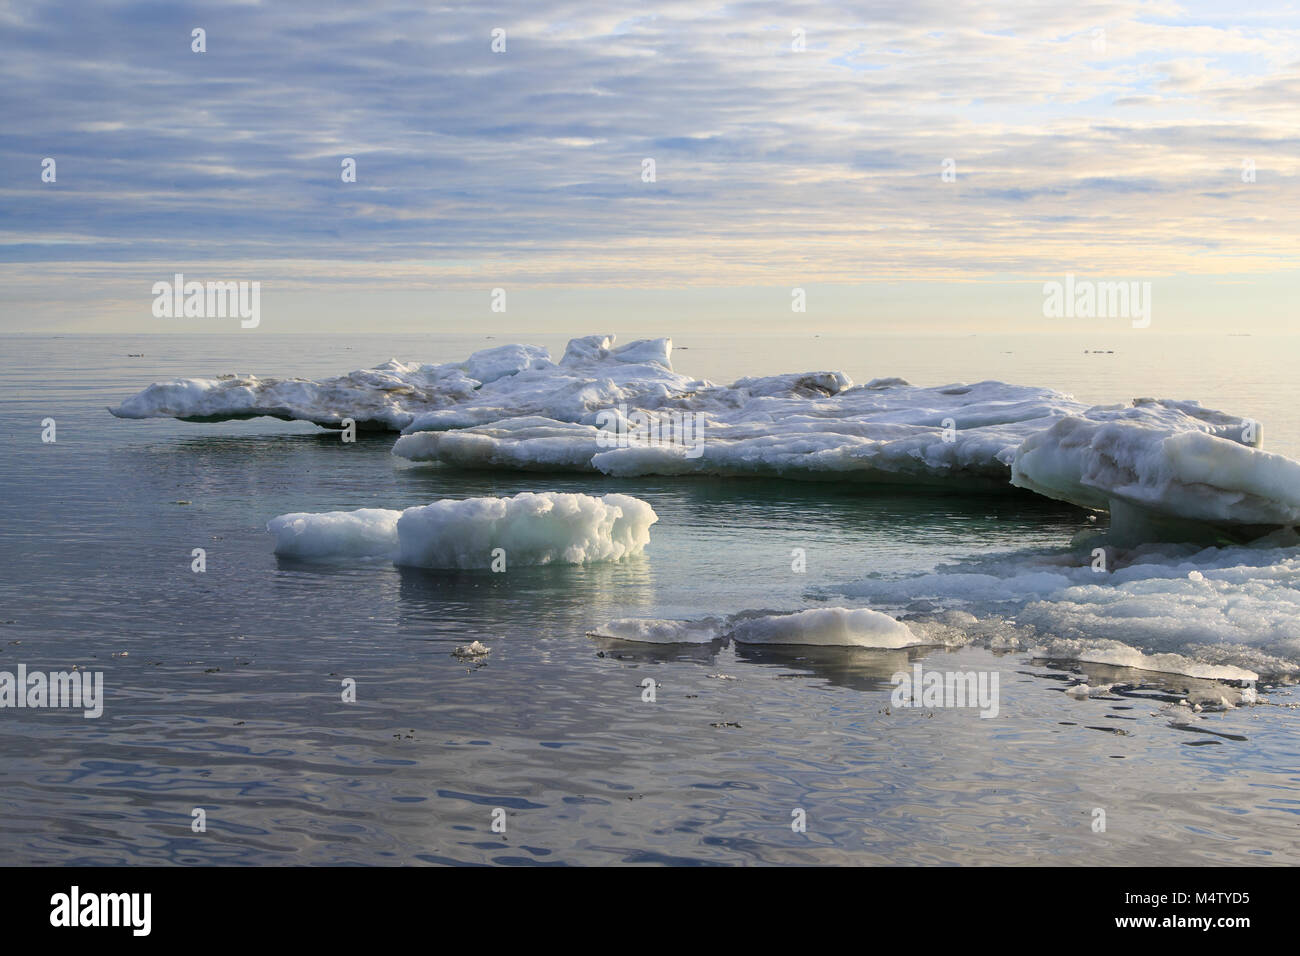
[1222, 613]
[822, 626]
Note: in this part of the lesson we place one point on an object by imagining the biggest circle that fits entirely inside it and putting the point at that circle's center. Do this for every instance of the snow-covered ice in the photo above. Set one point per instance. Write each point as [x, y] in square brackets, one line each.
[367, 534]
[512, 407]
[1161, 459]
[811, 426]
[495, 383]
[529, 528]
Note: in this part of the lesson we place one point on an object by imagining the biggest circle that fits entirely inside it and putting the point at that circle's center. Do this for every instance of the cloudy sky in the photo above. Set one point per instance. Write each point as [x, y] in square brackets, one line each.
[794, 145]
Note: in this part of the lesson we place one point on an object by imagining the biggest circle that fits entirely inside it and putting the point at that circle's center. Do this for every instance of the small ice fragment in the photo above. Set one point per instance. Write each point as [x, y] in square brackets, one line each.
[658, 631]
[474, 649]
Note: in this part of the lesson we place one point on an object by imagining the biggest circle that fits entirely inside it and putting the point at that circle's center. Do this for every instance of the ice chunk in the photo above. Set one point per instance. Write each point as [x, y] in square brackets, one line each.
[490, 365]
[598, 348]
[382, 397]
[529, 528]
[1119, 655]
[835, 626]
[1161, 459]
[651, 631]
[391, 396]
[364, 535]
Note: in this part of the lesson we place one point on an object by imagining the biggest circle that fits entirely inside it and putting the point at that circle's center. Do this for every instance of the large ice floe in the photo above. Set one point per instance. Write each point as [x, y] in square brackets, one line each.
[501, 382]
[529, 528]
[1160, 467]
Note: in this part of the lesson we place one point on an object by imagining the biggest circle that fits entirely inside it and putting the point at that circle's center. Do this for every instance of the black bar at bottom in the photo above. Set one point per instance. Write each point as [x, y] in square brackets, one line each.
[220, 905]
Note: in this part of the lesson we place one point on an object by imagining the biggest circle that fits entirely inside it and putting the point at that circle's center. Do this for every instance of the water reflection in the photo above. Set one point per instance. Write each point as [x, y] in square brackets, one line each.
[856, 668]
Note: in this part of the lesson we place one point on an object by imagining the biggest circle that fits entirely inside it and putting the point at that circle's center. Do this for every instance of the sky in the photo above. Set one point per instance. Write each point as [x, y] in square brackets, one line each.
[926, 165]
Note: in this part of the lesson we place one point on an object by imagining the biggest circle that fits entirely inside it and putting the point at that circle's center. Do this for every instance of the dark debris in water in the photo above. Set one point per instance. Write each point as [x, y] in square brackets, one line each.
[1204, 730]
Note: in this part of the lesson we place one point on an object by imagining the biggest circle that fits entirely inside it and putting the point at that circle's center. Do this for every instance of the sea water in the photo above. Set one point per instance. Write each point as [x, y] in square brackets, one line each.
[224, 690]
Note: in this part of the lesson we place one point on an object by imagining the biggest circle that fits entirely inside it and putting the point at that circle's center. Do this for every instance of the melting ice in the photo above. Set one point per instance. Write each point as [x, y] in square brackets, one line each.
[529, 528]
[1165, 470]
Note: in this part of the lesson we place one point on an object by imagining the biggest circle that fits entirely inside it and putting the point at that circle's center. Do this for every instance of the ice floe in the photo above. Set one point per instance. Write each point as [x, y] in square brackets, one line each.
[827, 626]
[811, 426]
[1161, 458]
[529, 528]
[512, 407]
[501, 382]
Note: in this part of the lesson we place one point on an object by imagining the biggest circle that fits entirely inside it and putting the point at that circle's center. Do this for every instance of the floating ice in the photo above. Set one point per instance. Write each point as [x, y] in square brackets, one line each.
[1161, 458]
[1119, 655]
[495, 383]
[828, 626]
[1154, 464]
[657, 631]
[811, 426]
[1164, 469]
[529, 528]
[364, 535]
[384, 397]
[1221, 613]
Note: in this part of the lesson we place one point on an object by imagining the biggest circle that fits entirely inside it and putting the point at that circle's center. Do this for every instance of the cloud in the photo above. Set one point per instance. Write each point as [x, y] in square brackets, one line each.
[1084, 137]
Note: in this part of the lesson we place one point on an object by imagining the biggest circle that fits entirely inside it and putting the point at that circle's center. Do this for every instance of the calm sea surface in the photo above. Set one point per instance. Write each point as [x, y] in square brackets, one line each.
[223, 688]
